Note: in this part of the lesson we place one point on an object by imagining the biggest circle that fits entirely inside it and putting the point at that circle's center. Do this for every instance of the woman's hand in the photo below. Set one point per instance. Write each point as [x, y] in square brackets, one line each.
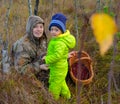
[44, 67]
[43, 57]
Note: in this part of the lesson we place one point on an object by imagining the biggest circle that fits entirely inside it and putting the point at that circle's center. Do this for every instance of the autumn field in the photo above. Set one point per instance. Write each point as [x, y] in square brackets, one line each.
[28, 89]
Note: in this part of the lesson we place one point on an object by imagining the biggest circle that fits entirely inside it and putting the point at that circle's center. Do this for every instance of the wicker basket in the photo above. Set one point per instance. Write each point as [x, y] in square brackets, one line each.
[84, 64]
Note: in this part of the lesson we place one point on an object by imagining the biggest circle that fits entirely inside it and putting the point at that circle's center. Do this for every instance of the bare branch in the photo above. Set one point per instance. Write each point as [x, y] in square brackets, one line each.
[5, 57]
[110, 74]
[36, 7]
[30, 7]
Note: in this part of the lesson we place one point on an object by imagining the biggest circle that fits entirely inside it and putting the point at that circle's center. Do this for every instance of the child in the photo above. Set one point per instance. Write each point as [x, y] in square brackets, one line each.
[57, 55]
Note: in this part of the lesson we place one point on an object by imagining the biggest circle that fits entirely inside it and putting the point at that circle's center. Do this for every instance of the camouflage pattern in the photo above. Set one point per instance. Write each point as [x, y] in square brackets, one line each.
[27, 49]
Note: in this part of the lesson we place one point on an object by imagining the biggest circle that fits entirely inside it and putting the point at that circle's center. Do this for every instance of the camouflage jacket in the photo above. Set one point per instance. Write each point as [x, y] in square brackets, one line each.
[24, 53]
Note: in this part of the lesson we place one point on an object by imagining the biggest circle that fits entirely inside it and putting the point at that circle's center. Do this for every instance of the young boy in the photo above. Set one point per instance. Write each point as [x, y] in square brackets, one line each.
[57, 55]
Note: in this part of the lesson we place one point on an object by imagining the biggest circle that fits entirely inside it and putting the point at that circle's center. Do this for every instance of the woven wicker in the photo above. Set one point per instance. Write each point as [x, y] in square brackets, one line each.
[84, 64]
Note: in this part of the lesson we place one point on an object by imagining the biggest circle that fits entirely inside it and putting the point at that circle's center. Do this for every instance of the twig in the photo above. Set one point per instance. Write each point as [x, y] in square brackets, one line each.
[110, 74]
[36, 7]
[5, 57]
[30, 7]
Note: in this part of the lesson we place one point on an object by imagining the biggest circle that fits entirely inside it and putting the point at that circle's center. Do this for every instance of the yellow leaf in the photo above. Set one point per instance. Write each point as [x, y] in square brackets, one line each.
[104, 29]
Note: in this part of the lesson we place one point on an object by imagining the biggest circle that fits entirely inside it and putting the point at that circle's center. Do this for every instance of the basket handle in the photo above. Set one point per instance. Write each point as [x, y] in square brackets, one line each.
[84, 58]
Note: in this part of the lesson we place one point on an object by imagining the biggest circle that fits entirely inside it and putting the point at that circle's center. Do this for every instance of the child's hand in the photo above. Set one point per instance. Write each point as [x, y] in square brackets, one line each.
[44, 67]
[71, 54]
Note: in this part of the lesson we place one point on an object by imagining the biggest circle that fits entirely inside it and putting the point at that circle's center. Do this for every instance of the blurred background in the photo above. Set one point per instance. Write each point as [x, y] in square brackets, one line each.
[13, 19]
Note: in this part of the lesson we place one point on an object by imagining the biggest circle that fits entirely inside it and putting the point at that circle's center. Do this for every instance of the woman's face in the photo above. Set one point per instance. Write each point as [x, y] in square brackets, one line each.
[38, 30]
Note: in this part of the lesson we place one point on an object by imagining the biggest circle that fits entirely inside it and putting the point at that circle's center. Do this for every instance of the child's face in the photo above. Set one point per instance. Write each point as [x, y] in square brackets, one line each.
[55, 31]
[38, 30]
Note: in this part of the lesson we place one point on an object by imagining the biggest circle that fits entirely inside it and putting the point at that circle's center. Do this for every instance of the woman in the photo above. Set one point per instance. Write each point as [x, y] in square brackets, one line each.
[26, 51]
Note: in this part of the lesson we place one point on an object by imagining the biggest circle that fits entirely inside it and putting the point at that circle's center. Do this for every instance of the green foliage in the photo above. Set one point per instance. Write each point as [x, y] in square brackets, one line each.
[107, 11]
[118, 35]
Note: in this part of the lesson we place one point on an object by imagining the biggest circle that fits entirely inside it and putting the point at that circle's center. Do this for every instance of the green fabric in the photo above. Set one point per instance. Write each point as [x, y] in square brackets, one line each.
[56, 58]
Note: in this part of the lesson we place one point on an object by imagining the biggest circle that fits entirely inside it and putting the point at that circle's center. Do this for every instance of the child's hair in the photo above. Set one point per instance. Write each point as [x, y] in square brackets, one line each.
[58, 20]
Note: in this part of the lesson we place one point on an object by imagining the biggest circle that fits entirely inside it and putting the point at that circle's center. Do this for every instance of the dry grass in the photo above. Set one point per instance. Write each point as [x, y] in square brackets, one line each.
[23, 89]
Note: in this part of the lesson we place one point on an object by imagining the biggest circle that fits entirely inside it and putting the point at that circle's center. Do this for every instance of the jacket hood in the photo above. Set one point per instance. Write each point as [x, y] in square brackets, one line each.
[31, 22]
[68, 39]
